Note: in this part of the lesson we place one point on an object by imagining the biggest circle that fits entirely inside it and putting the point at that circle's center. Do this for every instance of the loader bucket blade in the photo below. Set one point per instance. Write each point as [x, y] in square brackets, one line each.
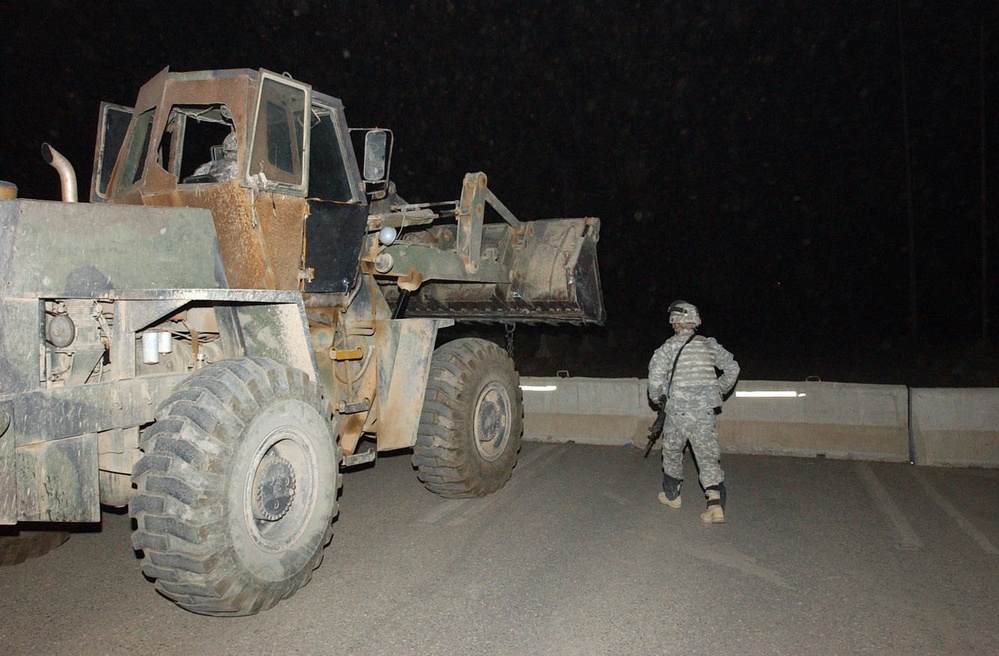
[553, 278]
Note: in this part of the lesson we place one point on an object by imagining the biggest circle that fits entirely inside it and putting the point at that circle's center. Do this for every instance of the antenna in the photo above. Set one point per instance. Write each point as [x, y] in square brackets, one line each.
[913, 316]
[982, 201]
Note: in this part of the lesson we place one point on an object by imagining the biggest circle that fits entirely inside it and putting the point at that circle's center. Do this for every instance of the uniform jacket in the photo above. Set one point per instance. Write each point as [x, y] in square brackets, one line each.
[696, 383]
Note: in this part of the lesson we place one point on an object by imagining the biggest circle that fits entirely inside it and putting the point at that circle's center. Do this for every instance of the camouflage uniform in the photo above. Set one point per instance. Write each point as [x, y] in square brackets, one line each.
[695, 392]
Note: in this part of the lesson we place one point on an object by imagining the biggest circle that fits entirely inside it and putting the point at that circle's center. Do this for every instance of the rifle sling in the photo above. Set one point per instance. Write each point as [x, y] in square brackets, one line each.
[676, 360]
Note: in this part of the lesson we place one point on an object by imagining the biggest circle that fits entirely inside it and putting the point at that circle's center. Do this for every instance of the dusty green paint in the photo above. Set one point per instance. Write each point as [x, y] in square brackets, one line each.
[58, 481]
[278, 331]
[77, 249]
[438, 264]
[405, 347]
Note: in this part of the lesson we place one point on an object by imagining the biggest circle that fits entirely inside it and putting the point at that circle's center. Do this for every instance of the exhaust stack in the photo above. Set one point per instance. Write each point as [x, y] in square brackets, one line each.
[67, 175]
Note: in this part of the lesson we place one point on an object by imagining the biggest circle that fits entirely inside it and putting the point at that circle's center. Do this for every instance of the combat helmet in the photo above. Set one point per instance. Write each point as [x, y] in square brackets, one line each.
[684, 314]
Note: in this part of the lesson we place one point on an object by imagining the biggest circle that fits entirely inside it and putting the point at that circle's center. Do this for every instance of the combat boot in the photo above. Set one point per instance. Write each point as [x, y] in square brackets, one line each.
[670, 496]
[715, 513]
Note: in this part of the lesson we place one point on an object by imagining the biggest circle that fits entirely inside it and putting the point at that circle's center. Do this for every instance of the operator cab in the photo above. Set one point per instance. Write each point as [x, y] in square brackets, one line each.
[269, 156]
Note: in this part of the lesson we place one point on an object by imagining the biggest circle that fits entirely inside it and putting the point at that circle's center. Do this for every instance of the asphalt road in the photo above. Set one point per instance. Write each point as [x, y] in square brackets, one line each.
[576, 556]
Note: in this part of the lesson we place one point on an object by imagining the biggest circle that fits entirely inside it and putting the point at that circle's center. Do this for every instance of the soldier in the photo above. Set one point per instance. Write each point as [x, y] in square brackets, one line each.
[682, 374]
[222, 167]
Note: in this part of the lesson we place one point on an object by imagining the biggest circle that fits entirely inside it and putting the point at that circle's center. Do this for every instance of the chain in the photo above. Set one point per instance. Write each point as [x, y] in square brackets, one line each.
[510, 327]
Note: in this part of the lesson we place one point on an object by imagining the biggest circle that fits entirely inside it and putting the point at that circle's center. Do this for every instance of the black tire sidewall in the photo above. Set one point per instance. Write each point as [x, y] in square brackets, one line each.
[270, 564]
[497, 370]
[446, 455]
[196, 485]
[25, 545]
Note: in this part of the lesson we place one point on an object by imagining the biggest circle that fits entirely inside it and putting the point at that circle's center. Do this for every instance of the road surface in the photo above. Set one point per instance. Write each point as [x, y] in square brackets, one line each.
[576, 556]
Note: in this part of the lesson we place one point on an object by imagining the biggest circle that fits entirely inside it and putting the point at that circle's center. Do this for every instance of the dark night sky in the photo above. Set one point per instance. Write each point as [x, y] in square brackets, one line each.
[750, 158]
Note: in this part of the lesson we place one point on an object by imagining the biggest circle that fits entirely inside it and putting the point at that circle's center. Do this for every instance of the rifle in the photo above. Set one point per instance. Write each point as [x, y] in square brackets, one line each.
[657, 428]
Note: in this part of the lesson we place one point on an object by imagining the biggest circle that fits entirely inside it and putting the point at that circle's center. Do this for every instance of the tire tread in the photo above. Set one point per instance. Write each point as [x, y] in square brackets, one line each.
[179, 517]
[447, 462]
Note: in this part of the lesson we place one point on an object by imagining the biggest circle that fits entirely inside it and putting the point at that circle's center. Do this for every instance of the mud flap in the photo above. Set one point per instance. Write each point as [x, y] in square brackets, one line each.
[68, 467]
[8, 482]
[405, 348]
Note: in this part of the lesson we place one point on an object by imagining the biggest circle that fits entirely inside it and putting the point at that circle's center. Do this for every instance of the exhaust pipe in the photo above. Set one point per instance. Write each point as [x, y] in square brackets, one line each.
[66, 173]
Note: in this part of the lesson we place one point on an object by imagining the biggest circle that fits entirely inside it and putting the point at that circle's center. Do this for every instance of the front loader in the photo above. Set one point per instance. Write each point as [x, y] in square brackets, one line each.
[241, 311]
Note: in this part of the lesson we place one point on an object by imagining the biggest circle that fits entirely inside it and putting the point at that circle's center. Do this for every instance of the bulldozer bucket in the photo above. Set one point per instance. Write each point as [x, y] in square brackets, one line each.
[550, 276]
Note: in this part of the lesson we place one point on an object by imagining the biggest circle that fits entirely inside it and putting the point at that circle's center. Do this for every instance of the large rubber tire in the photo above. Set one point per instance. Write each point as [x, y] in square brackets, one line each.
[237, 488]
[472, 420]
[19, 546]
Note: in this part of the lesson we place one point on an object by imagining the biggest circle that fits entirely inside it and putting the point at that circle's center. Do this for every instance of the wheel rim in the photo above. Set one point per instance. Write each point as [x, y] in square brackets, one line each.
[493, 416]
[280, 488]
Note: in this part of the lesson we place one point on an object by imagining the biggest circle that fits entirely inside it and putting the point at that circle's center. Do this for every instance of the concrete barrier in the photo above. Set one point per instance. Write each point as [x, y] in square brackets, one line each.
[586, 410]
[957, 427]
[838, 420]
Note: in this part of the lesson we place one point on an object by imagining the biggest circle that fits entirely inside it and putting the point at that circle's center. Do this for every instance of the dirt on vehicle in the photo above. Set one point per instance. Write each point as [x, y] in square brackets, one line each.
[246, 307]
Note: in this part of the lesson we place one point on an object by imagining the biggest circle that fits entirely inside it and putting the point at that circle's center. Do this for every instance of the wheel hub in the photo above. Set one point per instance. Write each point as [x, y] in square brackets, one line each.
[273, 488]
[492, 421]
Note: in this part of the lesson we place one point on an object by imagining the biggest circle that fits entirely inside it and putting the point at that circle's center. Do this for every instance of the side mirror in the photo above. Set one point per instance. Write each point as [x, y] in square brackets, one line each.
[375, 151]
